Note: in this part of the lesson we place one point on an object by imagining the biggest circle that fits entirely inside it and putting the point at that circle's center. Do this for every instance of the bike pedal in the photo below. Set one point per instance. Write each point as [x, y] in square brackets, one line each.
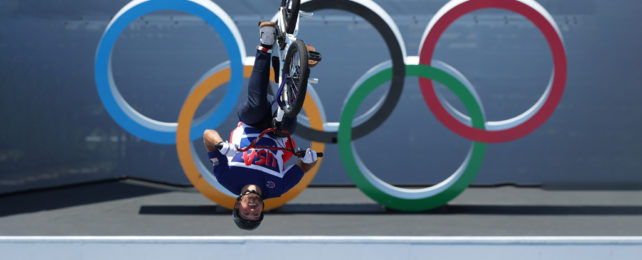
[314, 55]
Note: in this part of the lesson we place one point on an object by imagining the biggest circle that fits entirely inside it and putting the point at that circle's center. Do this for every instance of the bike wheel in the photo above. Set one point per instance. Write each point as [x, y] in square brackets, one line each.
[295, 74]
[291, 14]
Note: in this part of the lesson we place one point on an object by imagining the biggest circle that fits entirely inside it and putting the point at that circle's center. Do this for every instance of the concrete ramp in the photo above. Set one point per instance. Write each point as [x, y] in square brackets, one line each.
[319, 247]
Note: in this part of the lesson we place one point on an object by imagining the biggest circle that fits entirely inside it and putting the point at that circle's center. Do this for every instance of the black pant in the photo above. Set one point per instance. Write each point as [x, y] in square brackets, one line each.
[257, 111]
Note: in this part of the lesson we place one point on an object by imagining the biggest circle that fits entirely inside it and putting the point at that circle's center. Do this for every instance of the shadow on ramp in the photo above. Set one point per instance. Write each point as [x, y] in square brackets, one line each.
[375, 209]
[71, 196]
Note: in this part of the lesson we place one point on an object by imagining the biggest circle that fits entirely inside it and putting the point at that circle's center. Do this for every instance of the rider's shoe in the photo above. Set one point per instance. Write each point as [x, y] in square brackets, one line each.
[267, 30]
[313, 56]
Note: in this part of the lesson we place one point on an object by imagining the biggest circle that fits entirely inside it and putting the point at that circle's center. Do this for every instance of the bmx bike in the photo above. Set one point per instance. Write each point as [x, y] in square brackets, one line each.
[292, 81]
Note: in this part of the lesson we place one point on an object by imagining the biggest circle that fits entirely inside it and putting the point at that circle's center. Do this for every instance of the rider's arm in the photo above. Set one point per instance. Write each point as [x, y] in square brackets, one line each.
[218, 160]
[308, 160]
[210, 139]
[292, 176]
[305, 167]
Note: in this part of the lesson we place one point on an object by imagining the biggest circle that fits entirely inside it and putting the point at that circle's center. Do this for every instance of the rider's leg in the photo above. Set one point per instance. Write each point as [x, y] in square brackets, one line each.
[257, 111]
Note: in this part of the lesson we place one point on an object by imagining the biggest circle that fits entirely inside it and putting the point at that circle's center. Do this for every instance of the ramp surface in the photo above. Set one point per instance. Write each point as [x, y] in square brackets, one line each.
[132, 208]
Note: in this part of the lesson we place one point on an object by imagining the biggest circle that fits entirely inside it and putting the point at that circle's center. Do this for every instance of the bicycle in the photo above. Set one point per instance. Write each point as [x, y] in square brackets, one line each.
[293, 79]
[294, 55]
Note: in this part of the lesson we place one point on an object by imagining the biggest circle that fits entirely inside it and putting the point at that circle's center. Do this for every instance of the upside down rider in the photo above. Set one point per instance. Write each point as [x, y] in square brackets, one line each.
[256, 174]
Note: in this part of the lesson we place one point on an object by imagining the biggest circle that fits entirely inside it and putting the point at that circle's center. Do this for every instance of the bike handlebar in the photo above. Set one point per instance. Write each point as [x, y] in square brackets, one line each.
[298, 153]
[302, 153]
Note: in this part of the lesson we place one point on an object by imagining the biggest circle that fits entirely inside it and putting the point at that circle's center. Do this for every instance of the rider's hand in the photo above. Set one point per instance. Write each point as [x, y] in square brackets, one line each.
[228, 149]
[310, 156]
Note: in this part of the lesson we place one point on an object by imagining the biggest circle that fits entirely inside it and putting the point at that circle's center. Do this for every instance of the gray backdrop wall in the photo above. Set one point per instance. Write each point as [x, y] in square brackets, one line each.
[55, 130]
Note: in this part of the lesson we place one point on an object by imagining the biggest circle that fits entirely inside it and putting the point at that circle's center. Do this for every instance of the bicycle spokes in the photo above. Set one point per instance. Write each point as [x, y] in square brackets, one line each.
[293, 89]
[291, 80]
[294, 79]
[288, 8]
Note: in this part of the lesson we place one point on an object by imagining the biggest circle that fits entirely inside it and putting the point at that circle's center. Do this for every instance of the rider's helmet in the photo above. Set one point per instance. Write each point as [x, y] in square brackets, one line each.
[245, 223]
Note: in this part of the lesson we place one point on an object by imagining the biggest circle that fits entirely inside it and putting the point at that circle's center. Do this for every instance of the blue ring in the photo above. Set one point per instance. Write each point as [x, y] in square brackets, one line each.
[127, 117]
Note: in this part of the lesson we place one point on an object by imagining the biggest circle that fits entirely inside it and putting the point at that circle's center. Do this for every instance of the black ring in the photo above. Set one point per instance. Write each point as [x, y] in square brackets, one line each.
[398, 70]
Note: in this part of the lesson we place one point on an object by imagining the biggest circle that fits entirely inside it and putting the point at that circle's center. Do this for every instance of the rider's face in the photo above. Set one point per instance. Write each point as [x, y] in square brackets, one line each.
[250, 207]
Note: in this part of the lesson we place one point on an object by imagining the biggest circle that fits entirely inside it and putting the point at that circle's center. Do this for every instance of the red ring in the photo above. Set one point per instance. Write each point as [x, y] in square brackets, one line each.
[559, 78]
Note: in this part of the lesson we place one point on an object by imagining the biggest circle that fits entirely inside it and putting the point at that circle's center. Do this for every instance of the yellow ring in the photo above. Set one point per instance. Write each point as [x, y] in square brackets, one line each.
[184, 146]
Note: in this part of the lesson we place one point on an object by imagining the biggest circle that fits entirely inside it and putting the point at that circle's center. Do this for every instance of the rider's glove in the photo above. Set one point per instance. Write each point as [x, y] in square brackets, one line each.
[228, 149]
[310, 156]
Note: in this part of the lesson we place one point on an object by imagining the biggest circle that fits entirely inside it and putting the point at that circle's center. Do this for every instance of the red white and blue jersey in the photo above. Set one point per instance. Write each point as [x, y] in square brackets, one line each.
[262, 167]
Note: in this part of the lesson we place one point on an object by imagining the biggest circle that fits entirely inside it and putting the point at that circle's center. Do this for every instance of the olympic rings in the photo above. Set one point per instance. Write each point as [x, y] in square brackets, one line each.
[410, 199]
[316, 129]
[200, 175]
[384, 24]
[126, 116]
[524, 123]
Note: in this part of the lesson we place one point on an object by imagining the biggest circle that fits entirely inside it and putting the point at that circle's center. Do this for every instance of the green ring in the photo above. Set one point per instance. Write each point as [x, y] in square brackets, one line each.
[409, 199]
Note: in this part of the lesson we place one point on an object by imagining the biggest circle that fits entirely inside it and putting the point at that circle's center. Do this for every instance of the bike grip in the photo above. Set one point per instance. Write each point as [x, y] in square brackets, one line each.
[302, 153]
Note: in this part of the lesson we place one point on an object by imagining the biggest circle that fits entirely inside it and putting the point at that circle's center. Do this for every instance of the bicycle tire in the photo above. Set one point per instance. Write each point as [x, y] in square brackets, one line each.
[296, 68]
[291, 14]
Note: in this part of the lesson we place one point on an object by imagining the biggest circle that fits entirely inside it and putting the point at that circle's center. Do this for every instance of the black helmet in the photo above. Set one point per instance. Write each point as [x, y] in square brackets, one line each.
[244, 223]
